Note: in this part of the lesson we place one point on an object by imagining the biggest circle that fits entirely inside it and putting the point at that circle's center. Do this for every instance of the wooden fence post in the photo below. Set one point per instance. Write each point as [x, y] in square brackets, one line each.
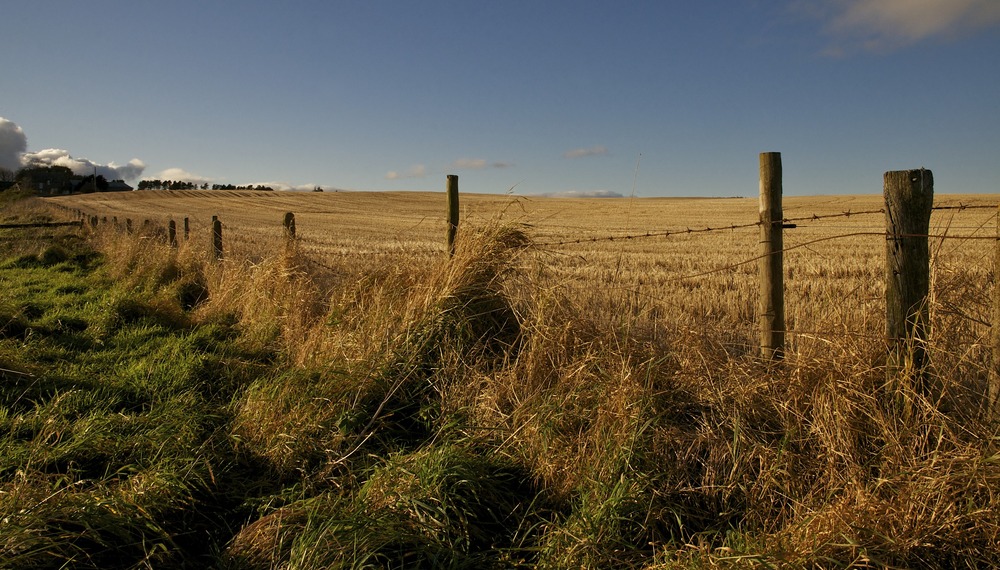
[772, 291]
[187, 229]
[216, 238]
[172, 233]
[289, 225]
[452, 190]
[128, 225]
[993, 392]
[909, 197]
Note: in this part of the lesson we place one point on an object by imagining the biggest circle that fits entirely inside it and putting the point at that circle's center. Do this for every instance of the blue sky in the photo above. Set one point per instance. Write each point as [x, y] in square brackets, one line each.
[546, 97]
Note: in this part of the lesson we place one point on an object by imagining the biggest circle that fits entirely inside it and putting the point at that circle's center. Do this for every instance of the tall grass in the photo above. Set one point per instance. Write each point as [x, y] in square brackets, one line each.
[489, 411]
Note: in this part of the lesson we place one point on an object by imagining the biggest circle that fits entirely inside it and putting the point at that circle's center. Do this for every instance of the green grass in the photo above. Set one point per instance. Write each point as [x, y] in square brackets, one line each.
[112, 428]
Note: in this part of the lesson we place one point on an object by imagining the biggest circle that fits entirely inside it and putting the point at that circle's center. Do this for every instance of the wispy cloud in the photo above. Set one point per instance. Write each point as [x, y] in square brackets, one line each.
[582, 152]
[886, 25]
[478, 164]
[584, 194]
[415, 171]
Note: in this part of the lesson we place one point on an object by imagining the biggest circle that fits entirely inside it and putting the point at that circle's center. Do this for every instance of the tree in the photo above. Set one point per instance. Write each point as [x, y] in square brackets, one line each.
[6, 174]
[45, 180]
[89, 184]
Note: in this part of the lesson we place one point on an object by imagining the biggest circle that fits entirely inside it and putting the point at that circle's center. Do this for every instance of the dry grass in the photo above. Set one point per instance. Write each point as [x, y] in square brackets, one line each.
[832, 285]
[619, 376]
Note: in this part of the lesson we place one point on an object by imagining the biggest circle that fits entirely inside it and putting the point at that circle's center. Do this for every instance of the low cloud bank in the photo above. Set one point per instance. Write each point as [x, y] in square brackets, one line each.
[14, 155]
[82, 166]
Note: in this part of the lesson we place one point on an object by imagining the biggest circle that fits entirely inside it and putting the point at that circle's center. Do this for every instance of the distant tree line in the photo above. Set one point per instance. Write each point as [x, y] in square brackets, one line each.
[53, 180]
[184, 185]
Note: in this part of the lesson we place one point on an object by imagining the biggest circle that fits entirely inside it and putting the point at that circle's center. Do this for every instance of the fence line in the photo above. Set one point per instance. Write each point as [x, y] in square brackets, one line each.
[788, 223]
[41, 225]
[689, 231]
[909, 204]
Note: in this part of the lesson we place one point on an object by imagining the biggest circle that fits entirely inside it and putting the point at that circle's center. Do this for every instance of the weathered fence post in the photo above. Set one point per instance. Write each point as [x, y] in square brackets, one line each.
[289, 231]
[216, 238]
[993, 391]
[909, 197]
[172, 233]
[452, 190]
[187, 229]
[128, 225]
[772, 292]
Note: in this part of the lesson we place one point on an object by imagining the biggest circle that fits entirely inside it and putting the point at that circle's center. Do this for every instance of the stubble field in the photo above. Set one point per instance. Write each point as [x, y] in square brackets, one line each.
[615, 251]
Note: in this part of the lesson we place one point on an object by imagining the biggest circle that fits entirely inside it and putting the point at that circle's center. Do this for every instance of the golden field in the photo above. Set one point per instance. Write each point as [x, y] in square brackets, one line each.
[833, 266]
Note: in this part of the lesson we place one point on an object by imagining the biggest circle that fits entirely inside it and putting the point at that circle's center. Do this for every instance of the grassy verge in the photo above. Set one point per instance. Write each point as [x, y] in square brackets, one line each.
[115, 450]
[159, 410]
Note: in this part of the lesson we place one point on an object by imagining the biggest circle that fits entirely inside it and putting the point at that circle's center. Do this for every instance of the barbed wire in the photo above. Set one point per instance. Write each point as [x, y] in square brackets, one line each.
[762, 256]
[791, 221]
[846, 214]
[666, 233]
[961, 206]
[732, 266]
[877, 336]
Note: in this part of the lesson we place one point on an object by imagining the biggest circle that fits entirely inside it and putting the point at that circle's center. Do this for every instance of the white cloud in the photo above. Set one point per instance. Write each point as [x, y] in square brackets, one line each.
[13, 142]
[278, 185]
[82, 166]
[582, 152]
[885, 25]
[285, 186]
[131, 171]
[469, 163]
[478, 164]
[415, 171]
[182, 175]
